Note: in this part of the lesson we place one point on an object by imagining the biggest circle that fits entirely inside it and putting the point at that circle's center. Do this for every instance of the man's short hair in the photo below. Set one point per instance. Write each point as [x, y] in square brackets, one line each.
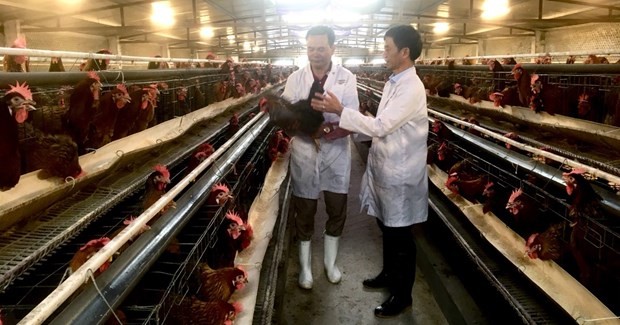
[406, 36]
[322, 30]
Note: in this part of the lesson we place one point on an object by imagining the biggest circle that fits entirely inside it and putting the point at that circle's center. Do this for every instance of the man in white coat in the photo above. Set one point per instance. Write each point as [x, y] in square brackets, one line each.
[395, 185]
[327, 169]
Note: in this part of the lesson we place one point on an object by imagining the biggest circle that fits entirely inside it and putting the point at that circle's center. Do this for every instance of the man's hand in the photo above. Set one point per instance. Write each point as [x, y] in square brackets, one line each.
[327, 103]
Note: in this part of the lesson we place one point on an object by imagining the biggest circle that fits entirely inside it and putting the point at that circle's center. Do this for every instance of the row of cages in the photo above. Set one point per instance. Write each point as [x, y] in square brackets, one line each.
[587, 92]
[82, 108]
[595, 238]
[162, 294]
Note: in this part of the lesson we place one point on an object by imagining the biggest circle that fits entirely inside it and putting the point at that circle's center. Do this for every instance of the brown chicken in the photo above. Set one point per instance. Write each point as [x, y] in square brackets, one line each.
[523, 84]
[202, 152]
[127, 117]
[495, 198]
[55, 155]
[82, 109]
[296, 118]
[102, 128]
[98, 64]
[86, 252]
[147, 109]
[464, 180]
[233, 125]
[155, 188]
[14, 109]
[547, 245]
[220, 194]
[233, 236]
[278, 144]
[528, 218]
[193, 311]
[16, 63]
[219, 284]
[584, 201]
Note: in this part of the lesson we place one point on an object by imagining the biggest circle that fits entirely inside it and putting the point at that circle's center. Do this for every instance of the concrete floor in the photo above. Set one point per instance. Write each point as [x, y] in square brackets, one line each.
[359, 258]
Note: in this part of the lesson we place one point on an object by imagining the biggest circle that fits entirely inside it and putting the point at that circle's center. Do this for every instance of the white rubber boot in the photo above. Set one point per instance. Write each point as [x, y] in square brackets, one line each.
[330, 254]
[305, 265]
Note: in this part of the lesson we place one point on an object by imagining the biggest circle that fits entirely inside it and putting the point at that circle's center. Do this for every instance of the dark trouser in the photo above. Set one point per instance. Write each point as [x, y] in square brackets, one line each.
[305, 209]
[399, 253]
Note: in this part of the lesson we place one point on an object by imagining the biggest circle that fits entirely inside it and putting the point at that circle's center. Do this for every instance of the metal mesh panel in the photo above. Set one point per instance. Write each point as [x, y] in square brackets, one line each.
[463, 50]
[517, 45]
[584, 38]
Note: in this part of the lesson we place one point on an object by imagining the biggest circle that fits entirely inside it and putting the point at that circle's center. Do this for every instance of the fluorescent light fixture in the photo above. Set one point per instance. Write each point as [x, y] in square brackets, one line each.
[247, 46]
[231, 39]
[162, 14]
[493, 9]
[283, 62]
[256, 48]
[441, 28]
[206, 32]
[354, 61]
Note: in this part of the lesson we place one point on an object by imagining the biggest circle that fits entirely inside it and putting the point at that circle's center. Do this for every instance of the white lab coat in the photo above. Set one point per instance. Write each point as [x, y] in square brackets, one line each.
[330, 168]
[395, 185]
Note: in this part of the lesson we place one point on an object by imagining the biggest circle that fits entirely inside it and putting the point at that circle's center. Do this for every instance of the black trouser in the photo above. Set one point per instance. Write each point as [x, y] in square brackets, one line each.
[399, 253]
[305, 209]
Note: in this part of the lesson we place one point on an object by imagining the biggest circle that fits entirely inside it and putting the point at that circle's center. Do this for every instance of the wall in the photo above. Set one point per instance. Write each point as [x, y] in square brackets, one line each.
[462, 50]
[505, 46]
[587, 37]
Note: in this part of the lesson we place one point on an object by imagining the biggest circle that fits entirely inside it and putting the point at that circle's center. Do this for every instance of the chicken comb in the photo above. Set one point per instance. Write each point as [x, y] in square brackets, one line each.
[23, 90]
[100, 241]
[93, 75]
[220, 187]
[163, 170]
[530, 240]
[443, 146]
[583, 98]
[534, 78]
[488, 186]
[232, 215]
[457, 85]
[20, 43]
[493, 96]
[515, 194]
[206, 147]
[238, 307]
[122, 88]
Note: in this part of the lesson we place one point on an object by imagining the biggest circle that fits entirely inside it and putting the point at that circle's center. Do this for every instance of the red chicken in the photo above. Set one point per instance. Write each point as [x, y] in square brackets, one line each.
[278, 144]
[155, 188]
[14, 109]
[82, 109]
[233, 125]
[233, 236]
[86, 252]
[55, 155]
[547, 245]
[147, 109]
[495, 197]
[102, 128]
[193, 311]
[527, 217]
[220, 194]
[548, 97]
[98, 64]
[127, 117]
[202, 152]
[220, 284]
[464, 180]
[582, 197]
[16, 63]
[523, 84]
[296, 118]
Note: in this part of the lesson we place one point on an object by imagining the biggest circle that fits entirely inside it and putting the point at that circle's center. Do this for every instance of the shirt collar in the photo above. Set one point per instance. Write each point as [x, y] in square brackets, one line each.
[395, 77]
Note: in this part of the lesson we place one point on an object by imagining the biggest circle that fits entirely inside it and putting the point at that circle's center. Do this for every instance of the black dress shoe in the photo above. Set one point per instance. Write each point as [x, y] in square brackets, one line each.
[379, 282]
[394, 306]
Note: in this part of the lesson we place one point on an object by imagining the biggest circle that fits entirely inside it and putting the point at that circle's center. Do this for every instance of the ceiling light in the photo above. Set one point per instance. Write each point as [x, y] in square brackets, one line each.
[162, 14]
[246, 46]
[231, 39]
[494, 9]
[206, 32]
[441, 28]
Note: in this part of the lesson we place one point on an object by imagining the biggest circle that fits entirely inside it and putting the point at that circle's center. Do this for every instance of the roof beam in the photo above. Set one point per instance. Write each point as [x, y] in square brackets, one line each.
[85, 11]
[587, 4]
